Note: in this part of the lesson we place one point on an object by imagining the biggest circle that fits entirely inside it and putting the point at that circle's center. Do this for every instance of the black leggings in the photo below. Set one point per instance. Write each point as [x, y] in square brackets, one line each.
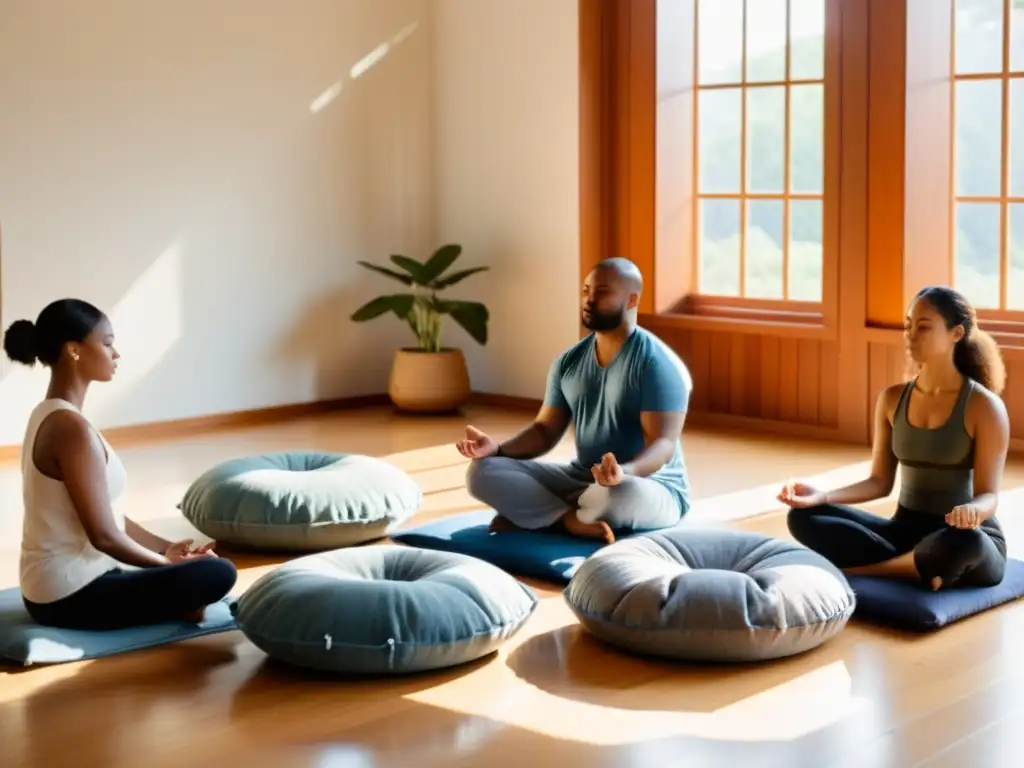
[851, 537]
[121, 598]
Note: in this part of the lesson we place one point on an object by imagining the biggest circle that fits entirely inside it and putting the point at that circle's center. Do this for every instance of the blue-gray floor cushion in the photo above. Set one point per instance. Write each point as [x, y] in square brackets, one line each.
[24, 642]
[300, 501]
[383, 609]
[710, 595]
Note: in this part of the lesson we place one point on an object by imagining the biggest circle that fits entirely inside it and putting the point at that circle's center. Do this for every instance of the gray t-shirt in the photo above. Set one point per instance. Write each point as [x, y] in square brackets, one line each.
[606, 403]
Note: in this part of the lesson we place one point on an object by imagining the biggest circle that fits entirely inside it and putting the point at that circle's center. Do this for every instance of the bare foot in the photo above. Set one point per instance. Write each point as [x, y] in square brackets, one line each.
[195, 617]
[502, 525]
[599, 530]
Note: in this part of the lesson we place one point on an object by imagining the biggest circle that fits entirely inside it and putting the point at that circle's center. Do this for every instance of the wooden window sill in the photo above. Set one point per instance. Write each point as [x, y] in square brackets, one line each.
[1008, 333]
[757, 322]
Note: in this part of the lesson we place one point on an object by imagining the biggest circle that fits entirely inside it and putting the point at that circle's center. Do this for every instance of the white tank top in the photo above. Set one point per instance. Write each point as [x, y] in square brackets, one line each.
[57, 558]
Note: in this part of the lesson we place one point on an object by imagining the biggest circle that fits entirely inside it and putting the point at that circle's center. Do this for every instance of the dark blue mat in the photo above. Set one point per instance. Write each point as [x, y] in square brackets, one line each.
[540, 554]
[24, 642]
[910, 605]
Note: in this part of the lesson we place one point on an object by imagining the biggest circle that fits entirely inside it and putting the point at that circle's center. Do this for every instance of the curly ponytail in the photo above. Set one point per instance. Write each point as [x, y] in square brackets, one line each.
[976, 355]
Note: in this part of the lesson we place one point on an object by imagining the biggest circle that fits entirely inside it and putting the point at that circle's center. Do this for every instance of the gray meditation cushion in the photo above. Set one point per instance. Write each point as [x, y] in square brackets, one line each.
[300, 501]
[710, 595]
[383, 609]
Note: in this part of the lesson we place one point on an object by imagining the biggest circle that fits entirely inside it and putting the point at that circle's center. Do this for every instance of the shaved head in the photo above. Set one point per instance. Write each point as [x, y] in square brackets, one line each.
[623, 271]
[611, 295]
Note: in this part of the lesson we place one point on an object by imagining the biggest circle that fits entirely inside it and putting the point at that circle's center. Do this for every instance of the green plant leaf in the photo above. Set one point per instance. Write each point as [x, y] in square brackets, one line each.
[457, 277]
[471, 315]
[400, 304]
[385, 271]
[413, 267]
[436, 265]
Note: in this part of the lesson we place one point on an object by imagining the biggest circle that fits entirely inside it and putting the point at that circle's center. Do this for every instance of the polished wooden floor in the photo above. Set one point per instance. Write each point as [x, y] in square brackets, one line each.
[553, 696]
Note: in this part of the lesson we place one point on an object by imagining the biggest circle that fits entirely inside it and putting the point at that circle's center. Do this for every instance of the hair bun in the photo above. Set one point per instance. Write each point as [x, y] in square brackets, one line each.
[20, 342]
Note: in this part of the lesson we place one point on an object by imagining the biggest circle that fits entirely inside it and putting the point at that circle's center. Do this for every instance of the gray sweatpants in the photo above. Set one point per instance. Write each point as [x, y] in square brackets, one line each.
[535, 494]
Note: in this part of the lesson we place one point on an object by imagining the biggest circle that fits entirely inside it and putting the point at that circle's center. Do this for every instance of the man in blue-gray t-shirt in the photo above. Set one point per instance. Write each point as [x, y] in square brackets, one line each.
[625, 394]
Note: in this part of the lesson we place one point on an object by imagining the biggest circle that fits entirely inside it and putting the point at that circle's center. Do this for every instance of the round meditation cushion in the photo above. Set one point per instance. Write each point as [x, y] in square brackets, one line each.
[710, 595]
[300, 501]
[384, 609]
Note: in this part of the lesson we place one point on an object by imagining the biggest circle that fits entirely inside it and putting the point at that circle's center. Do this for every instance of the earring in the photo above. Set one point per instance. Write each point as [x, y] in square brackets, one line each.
[74, 356]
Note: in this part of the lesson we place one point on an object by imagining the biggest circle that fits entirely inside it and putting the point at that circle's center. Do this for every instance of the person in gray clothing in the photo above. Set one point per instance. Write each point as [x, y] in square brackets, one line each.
[947, 429]
[625, 392]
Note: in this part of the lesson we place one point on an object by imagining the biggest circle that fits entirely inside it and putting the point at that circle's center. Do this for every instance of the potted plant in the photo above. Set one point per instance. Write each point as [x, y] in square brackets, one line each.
[428, 377]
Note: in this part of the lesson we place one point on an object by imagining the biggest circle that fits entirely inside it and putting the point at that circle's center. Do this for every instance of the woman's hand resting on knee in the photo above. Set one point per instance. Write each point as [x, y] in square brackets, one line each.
[183, 550]
[964, 516]
[800, 495]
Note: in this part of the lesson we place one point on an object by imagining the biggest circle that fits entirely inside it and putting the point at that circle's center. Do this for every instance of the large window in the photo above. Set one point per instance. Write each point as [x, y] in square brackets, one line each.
[988, 152]
[760, 149]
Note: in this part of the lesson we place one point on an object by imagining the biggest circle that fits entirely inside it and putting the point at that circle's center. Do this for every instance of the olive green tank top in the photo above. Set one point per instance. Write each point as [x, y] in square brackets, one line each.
[936, 465]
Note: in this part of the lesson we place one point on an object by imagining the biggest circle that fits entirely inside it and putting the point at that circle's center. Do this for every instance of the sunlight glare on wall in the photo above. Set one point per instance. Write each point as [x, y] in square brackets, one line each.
[147, 324]
[361, 67]
[374, 57]
[326, 97]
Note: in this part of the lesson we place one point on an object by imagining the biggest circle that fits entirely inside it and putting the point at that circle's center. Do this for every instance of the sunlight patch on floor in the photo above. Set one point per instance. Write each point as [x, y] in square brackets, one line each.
[786, 712]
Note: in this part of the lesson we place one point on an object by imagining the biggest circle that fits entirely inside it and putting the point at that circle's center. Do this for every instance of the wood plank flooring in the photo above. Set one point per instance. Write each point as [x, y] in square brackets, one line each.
[554, 696]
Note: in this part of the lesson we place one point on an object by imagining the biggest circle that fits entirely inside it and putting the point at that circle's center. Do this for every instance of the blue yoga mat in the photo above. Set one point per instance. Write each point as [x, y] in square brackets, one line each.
[910, 605]
[22, 641]
[540, 554]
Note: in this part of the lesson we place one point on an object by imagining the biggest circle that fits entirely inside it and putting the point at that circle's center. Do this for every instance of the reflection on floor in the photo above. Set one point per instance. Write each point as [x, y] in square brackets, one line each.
[554, 696]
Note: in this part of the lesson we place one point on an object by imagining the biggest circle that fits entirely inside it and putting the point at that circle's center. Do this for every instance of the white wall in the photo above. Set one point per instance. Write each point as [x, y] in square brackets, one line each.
[162, 160]
[506, 168]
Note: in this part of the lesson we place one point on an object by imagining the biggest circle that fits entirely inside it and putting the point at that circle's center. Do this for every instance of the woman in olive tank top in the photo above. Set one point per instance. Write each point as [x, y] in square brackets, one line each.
[948, 432]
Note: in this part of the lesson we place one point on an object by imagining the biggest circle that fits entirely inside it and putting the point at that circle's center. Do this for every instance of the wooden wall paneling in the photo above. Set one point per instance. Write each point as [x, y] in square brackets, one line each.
[718, 374]
[878, 377]
[1013, 395]
[699, 363]
[808, 380]
[886, 62]
[789, 379]
[897, 362]
[828, 385]
[850, 61]
[737, 373]
[770, 376]
[754, 382]
[596, 75]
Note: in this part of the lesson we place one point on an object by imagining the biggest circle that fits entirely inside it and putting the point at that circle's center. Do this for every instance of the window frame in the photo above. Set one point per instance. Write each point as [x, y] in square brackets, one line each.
[652, 205]
[1002, 320]
[913, 204]
[709, 303]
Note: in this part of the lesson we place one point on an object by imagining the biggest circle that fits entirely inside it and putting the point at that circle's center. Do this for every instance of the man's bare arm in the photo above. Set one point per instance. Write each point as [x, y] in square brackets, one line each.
[540, 437]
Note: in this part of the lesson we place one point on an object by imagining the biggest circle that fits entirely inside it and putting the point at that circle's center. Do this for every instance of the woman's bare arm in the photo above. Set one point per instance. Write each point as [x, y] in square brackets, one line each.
[81, 459]
[879, 483]
[147, 539]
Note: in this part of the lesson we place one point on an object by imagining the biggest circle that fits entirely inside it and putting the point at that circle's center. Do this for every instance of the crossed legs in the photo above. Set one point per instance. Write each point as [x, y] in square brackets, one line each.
[533, 495]
[911, 544]
[129, 598]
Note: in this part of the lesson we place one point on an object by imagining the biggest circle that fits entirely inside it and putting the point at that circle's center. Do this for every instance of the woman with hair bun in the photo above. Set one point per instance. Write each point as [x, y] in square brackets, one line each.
[948, 431]
[84, 565]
